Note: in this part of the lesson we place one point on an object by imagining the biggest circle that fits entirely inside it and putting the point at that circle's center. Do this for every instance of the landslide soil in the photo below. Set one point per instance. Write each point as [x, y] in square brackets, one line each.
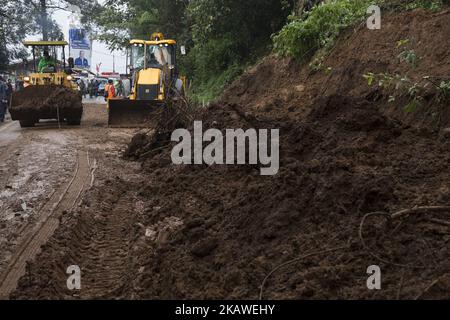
[217, 232]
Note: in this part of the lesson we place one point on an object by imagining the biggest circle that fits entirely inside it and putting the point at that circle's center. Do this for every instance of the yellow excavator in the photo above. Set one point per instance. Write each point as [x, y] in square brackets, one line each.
[154, 81]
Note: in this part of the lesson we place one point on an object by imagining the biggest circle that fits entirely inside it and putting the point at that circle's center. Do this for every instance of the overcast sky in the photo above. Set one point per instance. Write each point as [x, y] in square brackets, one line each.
[100, 52]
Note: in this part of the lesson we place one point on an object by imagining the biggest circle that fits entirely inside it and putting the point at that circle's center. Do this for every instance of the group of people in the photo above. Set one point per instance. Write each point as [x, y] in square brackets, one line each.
[6, 90]
[112, 88]
[92, 88]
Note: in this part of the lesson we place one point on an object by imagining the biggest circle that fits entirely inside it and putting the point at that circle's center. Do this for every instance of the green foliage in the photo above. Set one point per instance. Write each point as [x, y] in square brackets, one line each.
[444, 91]
[370, 77]
[412, 105]
[402, 43]
[213, 57]
[433, 5]
[408, 56]
[401, 86]
[227, 35]
[318, 63]
[210, 89]
[404, 5]
[118, 21]
[318, 28]
[249, 22]
[14, 26]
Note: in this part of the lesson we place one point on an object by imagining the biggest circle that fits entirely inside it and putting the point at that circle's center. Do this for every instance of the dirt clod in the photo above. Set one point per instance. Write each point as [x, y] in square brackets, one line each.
[204, 247]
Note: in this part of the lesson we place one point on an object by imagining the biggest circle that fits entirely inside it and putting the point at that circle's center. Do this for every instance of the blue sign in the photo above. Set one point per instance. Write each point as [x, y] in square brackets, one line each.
[79, 39]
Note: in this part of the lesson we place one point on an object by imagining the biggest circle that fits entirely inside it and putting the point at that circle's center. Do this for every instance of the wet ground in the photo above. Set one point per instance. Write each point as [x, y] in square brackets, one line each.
[36, 167]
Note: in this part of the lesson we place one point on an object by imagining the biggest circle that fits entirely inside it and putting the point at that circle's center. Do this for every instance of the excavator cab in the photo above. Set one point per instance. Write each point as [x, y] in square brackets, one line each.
[154, 80]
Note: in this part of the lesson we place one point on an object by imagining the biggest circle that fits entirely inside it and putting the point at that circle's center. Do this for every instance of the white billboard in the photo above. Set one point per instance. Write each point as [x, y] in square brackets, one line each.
[80, 48]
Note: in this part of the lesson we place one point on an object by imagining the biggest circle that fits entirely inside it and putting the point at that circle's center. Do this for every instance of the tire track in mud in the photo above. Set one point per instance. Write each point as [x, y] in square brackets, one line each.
[100, 245]
[100, 238]
[62, 200]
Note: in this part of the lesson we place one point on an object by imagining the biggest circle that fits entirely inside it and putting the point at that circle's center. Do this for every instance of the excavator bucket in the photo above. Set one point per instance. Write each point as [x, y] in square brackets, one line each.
[125, 113]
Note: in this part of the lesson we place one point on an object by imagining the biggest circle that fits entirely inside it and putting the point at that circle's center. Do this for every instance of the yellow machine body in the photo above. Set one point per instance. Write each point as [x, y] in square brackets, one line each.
[151, 86]
[57, 78]
[33, 104]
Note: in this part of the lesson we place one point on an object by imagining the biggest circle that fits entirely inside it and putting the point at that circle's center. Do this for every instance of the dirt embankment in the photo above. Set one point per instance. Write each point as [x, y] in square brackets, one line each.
[218, 231]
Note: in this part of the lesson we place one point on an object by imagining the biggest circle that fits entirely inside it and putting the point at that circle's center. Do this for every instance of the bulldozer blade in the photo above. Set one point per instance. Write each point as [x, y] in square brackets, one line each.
[126, 113]
[36, 102]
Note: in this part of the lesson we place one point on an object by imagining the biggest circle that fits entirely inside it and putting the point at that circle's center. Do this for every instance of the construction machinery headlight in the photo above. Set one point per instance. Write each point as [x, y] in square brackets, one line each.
[26, 79]
[70, 78]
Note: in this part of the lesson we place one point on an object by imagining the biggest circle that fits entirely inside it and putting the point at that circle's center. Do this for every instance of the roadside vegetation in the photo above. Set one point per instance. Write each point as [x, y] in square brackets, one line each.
[222, 37]
[317, 29]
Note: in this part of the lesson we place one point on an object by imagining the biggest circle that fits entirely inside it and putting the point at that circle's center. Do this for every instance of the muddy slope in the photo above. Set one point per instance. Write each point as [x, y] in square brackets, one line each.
[347, 160]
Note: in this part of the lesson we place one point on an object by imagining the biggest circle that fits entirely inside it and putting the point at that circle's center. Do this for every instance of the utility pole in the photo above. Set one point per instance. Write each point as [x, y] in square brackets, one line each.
[114, 63]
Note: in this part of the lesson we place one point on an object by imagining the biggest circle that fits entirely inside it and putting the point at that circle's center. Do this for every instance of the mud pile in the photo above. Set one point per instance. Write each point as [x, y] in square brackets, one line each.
[175, 114]
[345, 160]
[343, 156]
[347, 163]
[41, 102]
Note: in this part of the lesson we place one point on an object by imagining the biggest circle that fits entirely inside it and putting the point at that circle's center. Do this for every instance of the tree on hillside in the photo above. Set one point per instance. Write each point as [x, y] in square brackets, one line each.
[249, 22]
[228, 34]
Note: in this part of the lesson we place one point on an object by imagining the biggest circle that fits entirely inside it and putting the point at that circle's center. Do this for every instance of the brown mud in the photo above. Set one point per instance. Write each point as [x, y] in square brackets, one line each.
[347, 161]
[46, 102]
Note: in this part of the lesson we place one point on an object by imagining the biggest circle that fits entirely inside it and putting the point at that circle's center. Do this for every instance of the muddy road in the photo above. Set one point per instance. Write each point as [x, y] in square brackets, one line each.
[45, 172]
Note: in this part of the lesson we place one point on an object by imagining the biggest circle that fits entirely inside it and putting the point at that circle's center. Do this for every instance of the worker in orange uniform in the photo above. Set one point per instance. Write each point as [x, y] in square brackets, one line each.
[110, 90]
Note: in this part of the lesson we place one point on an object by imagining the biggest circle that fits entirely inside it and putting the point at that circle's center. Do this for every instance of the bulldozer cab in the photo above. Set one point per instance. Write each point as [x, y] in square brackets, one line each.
[49, 64]
[52, 51]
